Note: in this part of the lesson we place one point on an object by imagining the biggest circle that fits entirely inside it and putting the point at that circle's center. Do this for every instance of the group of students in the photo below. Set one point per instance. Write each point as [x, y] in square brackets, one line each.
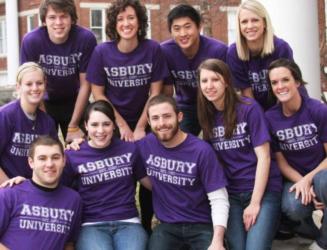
[263, 153]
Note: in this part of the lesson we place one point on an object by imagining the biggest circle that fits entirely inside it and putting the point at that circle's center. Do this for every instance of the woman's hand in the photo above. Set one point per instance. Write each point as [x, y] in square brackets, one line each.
[13, 181]
[250, 215]
[302, 188]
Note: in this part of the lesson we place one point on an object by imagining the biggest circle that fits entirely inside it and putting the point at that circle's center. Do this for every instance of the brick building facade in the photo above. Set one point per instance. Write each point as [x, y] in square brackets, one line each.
[218, 17]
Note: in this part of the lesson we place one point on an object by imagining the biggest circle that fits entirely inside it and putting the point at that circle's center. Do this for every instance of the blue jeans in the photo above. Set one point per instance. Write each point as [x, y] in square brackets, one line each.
[167, 236]
[112, 236]
[261, 234]
[190, 123]
[301, 214]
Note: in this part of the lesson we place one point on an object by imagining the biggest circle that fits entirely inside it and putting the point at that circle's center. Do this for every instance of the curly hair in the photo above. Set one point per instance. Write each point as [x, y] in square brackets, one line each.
[117, 7]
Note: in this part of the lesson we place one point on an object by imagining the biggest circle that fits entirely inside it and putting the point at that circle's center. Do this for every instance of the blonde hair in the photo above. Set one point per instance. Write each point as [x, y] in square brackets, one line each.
[28, 67]
[268, 42]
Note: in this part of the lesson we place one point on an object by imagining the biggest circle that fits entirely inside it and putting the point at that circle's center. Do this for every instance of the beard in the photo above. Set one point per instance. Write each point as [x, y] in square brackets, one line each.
[169, 135]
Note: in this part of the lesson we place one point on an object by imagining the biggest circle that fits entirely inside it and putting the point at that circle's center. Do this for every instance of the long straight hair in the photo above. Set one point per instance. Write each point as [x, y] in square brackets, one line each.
[268, 35]
[206, 109]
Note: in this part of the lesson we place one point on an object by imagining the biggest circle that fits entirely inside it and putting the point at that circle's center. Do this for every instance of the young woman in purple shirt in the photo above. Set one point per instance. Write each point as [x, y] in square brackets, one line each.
[298, 125]
[21, 121]
[255, 48]
[237, 131]
[105, 170]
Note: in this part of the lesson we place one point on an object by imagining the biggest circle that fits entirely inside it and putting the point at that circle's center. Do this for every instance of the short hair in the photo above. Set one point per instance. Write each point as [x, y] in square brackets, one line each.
[158, 99]
[26, 68]
[268, 44]
[183, 10]
[44, 140]
[66, 6]
[117, 7]
[291, 66]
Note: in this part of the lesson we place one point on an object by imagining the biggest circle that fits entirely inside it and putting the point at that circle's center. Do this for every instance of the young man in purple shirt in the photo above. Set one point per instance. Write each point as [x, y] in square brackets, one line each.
[63, 49]
[40, 213]
[184, 53]
[188, 184]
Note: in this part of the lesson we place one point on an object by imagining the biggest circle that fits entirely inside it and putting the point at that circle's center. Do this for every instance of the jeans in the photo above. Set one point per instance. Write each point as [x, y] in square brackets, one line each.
[301, 214]
[167, 236]
[261, 234]
[112, 236]
[190, 123]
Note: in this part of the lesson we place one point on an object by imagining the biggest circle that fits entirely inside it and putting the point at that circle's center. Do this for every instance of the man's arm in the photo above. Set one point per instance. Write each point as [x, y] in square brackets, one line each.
[3, 176]
[219, 213]
[81, 101]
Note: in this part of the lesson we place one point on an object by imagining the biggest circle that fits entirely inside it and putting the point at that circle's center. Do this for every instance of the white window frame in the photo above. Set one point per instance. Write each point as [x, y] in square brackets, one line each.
[150, 7]
[231, 22]
[3, 35]
[103, 22]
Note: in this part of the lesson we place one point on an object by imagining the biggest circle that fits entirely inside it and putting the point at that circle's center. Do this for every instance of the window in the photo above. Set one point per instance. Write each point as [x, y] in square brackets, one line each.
[97, 24]
[32, 22]
[3, 37]
[231, 19]
[150, 7]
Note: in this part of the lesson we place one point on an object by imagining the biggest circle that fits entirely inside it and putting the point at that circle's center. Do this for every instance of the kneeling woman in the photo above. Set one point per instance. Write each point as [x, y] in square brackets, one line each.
[299, 128]
[21, 121]
[105, 170]
[237, 131]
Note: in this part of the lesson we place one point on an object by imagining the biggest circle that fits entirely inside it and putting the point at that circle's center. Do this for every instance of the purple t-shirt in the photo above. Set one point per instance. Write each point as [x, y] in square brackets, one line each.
[254, 73]
[181, 178]
[183, 70]
[127, 76]
[62, 63]
[300, 137]
[106, 179]
[17, 133]
[31, 218]
[237, 153]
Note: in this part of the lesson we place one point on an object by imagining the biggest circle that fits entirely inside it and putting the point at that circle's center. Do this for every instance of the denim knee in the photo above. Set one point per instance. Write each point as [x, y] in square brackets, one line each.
[292, 207]
[320, 185]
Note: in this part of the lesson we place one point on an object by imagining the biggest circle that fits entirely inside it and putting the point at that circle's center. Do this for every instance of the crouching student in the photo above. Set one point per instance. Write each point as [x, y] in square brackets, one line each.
[236, 129]
[40, 213]
[299, 128]
[188, 183]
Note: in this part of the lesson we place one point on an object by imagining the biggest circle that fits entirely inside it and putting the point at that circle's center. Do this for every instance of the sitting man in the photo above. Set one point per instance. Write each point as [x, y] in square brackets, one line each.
[40, 213]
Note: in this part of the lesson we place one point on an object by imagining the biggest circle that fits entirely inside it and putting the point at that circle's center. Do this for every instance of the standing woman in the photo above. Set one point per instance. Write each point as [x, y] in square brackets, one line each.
[299, 128]
[237, 131]
[105, 170]
[129, 69]
[255, 48]
[21, 121]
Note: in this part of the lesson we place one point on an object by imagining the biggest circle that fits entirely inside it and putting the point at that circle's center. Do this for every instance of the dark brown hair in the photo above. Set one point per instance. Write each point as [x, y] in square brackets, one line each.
[206, 109]
[44, 140]
[66, 6]
[158, 99]
[119, 6]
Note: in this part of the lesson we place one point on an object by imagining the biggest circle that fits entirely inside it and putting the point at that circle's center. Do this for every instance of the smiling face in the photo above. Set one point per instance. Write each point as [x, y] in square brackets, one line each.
[252, 26]
[31, 87]
[47, 164]
[100, 129]
[127, 24]
[213, 87]
[283, 84]
[186, 34]
[58, 24]
[164, 122]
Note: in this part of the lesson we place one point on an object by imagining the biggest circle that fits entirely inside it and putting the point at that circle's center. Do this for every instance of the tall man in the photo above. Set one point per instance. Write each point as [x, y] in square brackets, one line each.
[40, 213]
[63, 49]
[185, 176]
[184, 53]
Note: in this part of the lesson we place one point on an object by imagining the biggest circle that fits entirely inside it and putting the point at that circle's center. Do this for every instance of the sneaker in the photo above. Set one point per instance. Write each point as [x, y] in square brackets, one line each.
[315, 246]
